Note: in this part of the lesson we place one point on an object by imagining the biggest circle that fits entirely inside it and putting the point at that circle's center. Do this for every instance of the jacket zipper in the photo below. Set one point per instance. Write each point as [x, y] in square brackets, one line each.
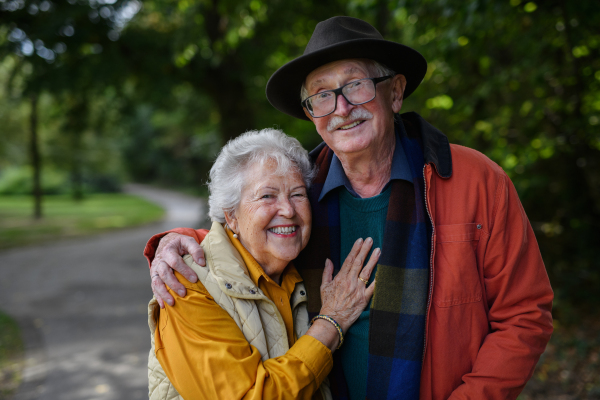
[430, 268]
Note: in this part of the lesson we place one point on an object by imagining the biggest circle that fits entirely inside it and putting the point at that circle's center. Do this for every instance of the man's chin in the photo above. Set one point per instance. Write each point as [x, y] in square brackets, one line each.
[348, 145]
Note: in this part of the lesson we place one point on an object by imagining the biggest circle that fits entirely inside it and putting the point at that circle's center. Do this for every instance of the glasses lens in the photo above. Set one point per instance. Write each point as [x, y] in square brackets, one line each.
[360, 91]
[321, 103]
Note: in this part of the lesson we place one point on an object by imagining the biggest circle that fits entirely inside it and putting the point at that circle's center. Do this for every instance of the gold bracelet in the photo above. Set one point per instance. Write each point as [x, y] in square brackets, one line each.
[333, 321]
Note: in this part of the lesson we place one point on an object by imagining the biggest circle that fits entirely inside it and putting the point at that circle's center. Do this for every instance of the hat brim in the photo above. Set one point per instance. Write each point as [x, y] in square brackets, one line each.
[283, 88]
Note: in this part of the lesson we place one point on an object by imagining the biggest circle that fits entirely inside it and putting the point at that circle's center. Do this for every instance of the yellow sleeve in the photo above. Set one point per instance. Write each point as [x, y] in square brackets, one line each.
[206, 356]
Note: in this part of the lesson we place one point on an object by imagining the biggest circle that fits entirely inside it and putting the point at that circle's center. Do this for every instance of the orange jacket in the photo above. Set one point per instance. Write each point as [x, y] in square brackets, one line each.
[489, 315]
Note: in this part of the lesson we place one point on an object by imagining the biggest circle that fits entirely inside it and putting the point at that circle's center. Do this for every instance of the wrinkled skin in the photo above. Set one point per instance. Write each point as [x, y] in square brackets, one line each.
[346, 296]
[170, 249]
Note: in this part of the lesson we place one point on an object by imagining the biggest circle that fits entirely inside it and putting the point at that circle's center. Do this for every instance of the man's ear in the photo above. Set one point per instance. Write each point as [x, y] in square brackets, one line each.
[398, 86]
[308, 115]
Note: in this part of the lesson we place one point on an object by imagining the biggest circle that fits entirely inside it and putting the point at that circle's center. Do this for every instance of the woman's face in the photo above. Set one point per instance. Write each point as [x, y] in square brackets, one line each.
[273, 219]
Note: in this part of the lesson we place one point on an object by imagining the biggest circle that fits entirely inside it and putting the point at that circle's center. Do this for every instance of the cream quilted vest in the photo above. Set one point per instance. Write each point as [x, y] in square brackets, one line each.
[228, 282]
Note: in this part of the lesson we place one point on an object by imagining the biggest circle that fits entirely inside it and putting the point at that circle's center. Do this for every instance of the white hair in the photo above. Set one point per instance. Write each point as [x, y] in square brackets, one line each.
[373, 66]
[228, 173]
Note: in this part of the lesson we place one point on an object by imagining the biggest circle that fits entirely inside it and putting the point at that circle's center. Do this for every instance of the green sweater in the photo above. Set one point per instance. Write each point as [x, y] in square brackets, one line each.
[360, 218]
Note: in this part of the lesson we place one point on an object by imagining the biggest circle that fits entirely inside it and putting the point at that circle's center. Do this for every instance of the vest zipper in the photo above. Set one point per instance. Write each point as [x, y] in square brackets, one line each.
[430, 268]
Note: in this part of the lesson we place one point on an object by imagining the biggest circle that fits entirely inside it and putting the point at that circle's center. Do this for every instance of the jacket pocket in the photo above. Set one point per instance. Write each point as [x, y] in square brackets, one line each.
[456, 278]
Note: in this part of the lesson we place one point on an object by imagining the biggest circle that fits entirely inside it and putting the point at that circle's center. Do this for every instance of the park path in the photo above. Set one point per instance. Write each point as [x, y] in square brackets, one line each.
[81, 304]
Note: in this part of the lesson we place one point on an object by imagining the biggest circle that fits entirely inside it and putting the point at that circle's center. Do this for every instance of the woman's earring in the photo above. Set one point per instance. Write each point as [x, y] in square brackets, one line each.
[235, 235]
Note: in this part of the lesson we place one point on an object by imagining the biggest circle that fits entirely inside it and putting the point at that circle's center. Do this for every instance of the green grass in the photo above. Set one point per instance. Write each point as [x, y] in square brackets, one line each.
[11, 356]
[64, 217]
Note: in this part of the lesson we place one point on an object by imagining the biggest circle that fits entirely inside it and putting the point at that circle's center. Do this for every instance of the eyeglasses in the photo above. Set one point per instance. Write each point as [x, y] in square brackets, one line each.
[358, 92]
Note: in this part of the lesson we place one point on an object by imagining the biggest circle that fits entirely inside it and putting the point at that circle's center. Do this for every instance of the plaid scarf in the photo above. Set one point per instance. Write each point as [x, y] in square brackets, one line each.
[397, 317]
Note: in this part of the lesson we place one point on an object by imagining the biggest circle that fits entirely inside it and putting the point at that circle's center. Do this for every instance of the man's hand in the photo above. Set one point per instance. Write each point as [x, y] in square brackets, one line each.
[168, 258]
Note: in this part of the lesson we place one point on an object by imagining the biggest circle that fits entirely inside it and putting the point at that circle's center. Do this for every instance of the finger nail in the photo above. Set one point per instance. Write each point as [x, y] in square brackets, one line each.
[181, 293]
[377, 251]
[201, 261]
[359, 241]
[369, 240]
[192, 278]
[170, 302]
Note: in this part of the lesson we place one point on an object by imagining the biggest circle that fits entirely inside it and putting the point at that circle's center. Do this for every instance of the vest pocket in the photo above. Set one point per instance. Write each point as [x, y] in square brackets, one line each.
[456, 279]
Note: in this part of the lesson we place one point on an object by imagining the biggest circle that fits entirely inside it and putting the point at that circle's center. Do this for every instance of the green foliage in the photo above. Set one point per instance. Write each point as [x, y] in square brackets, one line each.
[68, 218]
[10, 338]
[17, 181]
[11, 353]
[570, 363]
[67, 52]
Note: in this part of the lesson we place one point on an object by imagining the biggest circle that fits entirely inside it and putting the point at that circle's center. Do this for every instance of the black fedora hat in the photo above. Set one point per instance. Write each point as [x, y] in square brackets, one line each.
[340, 38]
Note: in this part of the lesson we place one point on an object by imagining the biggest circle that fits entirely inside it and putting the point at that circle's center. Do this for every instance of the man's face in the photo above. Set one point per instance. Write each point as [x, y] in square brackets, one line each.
[351, 129]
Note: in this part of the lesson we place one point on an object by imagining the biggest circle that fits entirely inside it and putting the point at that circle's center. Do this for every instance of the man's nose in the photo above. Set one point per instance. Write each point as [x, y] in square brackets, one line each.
[343, 107]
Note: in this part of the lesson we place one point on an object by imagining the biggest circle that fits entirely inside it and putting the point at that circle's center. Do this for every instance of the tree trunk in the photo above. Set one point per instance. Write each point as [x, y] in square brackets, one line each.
[76, 172]
[224, 83]
[236, 112]
[77, 120]
[35, 160]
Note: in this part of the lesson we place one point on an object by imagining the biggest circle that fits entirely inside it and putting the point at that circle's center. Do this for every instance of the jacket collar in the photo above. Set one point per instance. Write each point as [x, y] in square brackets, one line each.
[227, 265]
[289, 277]
[237, 272]
[436, 147]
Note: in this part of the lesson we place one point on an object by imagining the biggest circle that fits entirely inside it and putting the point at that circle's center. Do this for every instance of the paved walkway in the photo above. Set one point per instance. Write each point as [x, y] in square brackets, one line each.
[82, 307]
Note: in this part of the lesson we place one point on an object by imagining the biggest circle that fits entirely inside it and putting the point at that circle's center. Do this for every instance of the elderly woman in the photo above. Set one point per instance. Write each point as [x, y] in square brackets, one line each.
[242, 331]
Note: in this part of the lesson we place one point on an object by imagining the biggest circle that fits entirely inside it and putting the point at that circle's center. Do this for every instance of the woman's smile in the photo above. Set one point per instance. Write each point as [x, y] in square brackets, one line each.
[284, 231]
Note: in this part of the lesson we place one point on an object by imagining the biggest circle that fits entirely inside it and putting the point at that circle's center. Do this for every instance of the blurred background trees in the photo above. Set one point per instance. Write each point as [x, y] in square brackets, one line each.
[94, 93]
[120, 90]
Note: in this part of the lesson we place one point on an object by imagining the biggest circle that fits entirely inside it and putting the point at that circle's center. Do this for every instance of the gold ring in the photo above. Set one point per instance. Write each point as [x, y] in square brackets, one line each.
[366, 282]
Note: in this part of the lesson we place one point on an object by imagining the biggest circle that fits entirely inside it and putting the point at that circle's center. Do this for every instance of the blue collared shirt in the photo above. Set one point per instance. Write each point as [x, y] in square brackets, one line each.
[336, 176]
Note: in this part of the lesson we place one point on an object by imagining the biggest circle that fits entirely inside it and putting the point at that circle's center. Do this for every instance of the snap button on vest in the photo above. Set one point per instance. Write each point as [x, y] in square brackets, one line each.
[252, 291]
[228, 285]
[302, 293]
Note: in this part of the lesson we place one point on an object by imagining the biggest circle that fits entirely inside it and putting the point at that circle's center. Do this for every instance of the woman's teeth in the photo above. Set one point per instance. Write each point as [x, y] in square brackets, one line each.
[283, 230]
[352, 125]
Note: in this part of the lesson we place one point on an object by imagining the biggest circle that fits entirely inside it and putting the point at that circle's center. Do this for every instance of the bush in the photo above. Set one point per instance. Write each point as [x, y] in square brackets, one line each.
[15, 181]
[19, 181]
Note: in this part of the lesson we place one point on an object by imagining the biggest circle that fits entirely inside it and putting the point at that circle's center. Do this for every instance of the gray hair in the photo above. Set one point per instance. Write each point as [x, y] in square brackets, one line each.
[372, 65]
[227, 175]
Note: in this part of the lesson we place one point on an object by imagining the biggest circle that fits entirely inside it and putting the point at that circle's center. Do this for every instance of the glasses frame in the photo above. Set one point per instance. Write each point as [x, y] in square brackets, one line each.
[339, 91]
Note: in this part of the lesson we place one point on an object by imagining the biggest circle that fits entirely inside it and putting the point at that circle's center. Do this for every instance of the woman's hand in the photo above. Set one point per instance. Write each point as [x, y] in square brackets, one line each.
[346, 296]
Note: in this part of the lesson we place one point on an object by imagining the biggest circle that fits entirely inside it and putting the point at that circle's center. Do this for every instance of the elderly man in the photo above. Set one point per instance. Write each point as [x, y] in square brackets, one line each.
[462, 305]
